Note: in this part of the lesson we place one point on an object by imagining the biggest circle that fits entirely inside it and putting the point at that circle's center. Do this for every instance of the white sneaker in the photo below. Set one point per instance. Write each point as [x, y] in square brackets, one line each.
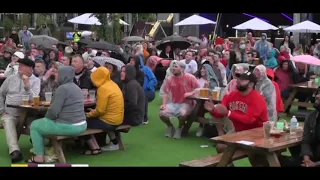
[170, 131]
[177, 133]
[199, 132]
[110, 147]
[145, 122]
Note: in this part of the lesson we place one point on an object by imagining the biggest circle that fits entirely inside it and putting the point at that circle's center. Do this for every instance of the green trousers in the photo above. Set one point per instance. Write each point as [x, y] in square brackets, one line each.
[42, 127]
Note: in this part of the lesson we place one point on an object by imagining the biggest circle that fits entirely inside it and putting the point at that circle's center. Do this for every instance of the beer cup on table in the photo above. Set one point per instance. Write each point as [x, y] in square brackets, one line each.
[36, 101]
[25, 99]
[85, 93]
[92, 95]
[48, 96]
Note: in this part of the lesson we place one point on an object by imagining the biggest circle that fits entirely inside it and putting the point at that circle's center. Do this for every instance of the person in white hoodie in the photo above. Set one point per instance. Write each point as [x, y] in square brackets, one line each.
[12, 68]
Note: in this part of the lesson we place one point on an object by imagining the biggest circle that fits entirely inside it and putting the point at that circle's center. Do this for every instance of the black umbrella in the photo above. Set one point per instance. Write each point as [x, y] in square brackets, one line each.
[174, 41]
[102, 45]
[133, 39]
[85, 41]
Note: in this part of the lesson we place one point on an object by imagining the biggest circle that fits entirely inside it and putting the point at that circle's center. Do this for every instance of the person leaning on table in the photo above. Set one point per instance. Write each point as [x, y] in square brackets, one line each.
[65, 116]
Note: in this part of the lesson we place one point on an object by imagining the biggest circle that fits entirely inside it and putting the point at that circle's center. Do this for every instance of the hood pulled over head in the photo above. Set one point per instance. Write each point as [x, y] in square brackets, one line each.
[100, 76]
[66, 74]
[130, 72]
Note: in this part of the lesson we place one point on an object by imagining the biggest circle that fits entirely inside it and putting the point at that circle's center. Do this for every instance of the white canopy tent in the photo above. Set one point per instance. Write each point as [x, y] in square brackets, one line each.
[88, 19]
[255, 24]
[194, 20]
[304, 27]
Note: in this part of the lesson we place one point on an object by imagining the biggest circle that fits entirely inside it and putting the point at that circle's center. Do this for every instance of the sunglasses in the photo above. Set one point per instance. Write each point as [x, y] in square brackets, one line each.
[237, 75]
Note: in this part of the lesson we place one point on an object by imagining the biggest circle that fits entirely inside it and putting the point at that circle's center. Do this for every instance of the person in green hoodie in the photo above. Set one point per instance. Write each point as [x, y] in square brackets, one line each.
[65, 116]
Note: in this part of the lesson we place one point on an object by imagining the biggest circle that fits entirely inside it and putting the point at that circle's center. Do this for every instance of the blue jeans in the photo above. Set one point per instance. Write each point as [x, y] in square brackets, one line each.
[150, 95]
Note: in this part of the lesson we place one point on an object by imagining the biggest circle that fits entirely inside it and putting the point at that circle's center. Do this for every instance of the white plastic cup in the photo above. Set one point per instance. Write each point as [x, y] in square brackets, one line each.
[92, 95]
[48, 96]
[309, 83]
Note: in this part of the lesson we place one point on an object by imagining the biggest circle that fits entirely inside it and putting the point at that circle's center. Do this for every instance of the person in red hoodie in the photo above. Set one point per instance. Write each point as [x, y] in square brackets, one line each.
[246, 108]
[280, 107]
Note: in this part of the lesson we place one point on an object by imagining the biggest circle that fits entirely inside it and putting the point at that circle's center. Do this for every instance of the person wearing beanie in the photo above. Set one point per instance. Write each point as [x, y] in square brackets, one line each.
[12, 68]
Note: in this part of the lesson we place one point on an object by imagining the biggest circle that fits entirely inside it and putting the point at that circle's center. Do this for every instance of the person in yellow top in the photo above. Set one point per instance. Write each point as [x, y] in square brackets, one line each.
[109, 111]
[76, 36]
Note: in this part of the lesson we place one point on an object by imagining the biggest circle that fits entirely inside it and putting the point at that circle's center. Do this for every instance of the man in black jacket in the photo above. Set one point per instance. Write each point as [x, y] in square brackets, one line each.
[82, 78]
[310, 146]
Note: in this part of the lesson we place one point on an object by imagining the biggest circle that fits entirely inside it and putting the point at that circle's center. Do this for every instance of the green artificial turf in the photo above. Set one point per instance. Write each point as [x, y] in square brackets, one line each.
[146, 146]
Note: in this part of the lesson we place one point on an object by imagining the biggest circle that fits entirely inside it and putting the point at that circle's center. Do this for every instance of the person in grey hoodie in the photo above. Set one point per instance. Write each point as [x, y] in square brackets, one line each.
[44, 30]
[134, 98]
[65, 116]
[11, 92]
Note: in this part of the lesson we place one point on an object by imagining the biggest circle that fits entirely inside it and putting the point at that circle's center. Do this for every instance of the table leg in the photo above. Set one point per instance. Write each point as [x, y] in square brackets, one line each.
[290, 99]
[22, 120]
[272, 159]
[227, 156]
[190, 119]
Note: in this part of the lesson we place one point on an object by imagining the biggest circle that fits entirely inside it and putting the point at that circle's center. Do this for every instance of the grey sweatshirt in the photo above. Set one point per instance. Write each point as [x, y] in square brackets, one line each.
[12, 90]
[67, 105]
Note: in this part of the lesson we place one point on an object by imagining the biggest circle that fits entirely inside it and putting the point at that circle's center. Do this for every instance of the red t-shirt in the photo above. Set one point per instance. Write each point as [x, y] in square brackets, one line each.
[247, 112]
[178, 86]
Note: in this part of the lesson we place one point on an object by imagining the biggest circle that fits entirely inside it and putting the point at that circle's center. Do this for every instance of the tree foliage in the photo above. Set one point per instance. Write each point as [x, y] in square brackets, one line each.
[111, 30]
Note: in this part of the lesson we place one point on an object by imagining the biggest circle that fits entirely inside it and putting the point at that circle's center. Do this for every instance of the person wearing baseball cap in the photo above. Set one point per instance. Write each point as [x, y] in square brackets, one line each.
[12, 68]
[12, 90]
[246, 108]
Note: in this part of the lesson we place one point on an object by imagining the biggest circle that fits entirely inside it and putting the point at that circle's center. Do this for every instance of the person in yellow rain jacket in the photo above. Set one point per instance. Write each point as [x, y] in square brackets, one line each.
[109, 111]
[76, 36]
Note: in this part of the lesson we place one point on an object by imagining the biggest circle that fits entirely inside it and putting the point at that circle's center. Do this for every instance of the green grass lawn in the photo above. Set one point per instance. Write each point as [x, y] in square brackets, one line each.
[146, 146]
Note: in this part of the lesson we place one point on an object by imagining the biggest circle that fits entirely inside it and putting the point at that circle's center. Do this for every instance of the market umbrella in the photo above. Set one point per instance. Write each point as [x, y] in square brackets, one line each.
[102, 45]
[307, 59]
[43, 40]
[103, 60]
[255, 24]
[133, 39]
[85, 41]
[90, 19]
[195, 20]
[194, 39]
[174, 41]
[304, 27]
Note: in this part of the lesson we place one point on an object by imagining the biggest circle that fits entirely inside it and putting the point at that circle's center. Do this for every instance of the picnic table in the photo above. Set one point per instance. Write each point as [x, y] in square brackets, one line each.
[253, 142]
[28, 109]
[299, 87]
[198, 111]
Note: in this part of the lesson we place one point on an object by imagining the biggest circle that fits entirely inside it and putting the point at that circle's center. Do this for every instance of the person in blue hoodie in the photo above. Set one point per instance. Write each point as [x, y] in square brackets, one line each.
[263, 46]
[271, 61]
[149, 84]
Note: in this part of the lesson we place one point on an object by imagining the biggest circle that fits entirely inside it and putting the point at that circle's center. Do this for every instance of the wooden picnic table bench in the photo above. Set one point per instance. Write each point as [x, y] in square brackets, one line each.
[211, 161]
[299, 87]
[57, 140]
[253, 142]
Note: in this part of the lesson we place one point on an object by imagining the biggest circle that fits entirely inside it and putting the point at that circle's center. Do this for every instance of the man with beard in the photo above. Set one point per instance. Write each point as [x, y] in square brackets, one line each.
[310, 146]
[246, 108]
[179, 86]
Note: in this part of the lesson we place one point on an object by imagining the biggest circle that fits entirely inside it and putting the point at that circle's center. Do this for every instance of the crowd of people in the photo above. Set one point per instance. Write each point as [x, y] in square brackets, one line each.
[249, 72]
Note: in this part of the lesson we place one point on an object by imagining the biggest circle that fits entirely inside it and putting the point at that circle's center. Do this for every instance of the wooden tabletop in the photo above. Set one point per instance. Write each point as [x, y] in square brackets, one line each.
[260, 143]
[203, 99]
[87, 104]
[304, 85]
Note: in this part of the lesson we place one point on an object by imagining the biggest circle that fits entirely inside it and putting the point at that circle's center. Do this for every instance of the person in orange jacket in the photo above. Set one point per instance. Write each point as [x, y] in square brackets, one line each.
[279, 102]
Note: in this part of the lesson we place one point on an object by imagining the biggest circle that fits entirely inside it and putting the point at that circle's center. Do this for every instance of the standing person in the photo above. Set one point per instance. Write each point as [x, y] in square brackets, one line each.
[25, 36]
[44, 30]
[15, 37]
[76, 36]
[263, 46]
